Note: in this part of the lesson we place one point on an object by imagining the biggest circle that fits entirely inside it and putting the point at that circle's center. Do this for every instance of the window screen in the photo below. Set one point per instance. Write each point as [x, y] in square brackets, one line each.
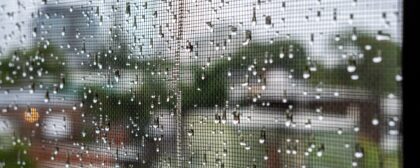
[201, 83]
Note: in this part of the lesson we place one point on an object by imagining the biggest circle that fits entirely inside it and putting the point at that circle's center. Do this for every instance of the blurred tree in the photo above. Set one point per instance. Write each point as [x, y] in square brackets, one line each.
[377, 68]
[33, 65]
[16, 157]
[210, 83]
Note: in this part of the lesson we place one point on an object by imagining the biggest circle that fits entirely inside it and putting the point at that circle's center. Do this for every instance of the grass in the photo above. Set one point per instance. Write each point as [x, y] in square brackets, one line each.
[208, 144]
[210, 141]
[335, 151]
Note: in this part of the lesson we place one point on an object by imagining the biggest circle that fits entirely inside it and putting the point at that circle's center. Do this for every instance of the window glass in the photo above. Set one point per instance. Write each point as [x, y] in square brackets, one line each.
[201, 83]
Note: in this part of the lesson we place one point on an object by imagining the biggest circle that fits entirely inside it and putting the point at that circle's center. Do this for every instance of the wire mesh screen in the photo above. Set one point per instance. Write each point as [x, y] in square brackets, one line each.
[201, 83]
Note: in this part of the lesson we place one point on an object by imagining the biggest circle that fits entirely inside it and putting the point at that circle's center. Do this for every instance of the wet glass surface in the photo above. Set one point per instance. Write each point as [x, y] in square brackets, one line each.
[200, 83]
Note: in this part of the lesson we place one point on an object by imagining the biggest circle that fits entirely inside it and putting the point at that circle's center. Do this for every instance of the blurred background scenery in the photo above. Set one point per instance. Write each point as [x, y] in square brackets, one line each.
[201, 83]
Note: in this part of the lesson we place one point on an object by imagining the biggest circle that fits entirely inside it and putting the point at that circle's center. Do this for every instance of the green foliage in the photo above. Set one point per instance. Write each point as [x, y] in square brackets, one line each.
[109, 58]
[33, 63]
[213, 89]
[137, 104]
[17, 154]
[376, 77]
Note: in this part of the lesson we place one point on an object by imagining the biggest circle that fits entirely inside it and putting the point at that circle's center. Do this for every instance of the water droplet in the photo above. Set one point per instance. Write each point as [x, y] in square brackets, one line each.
[247, 38]
[262, 137]
[358, 151]
[306, 73]
[127, 10]
[398, 78]
[380, 36]
[351, 67]
[320, 151]
[340, 131]
[268, 23]
[190, 132]
[375, 121]
[308, 124]
[47, 97]
[236, 119]
[210, 26]
[63, 32]
[378, 57]
[62, 83]
[254, 16]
